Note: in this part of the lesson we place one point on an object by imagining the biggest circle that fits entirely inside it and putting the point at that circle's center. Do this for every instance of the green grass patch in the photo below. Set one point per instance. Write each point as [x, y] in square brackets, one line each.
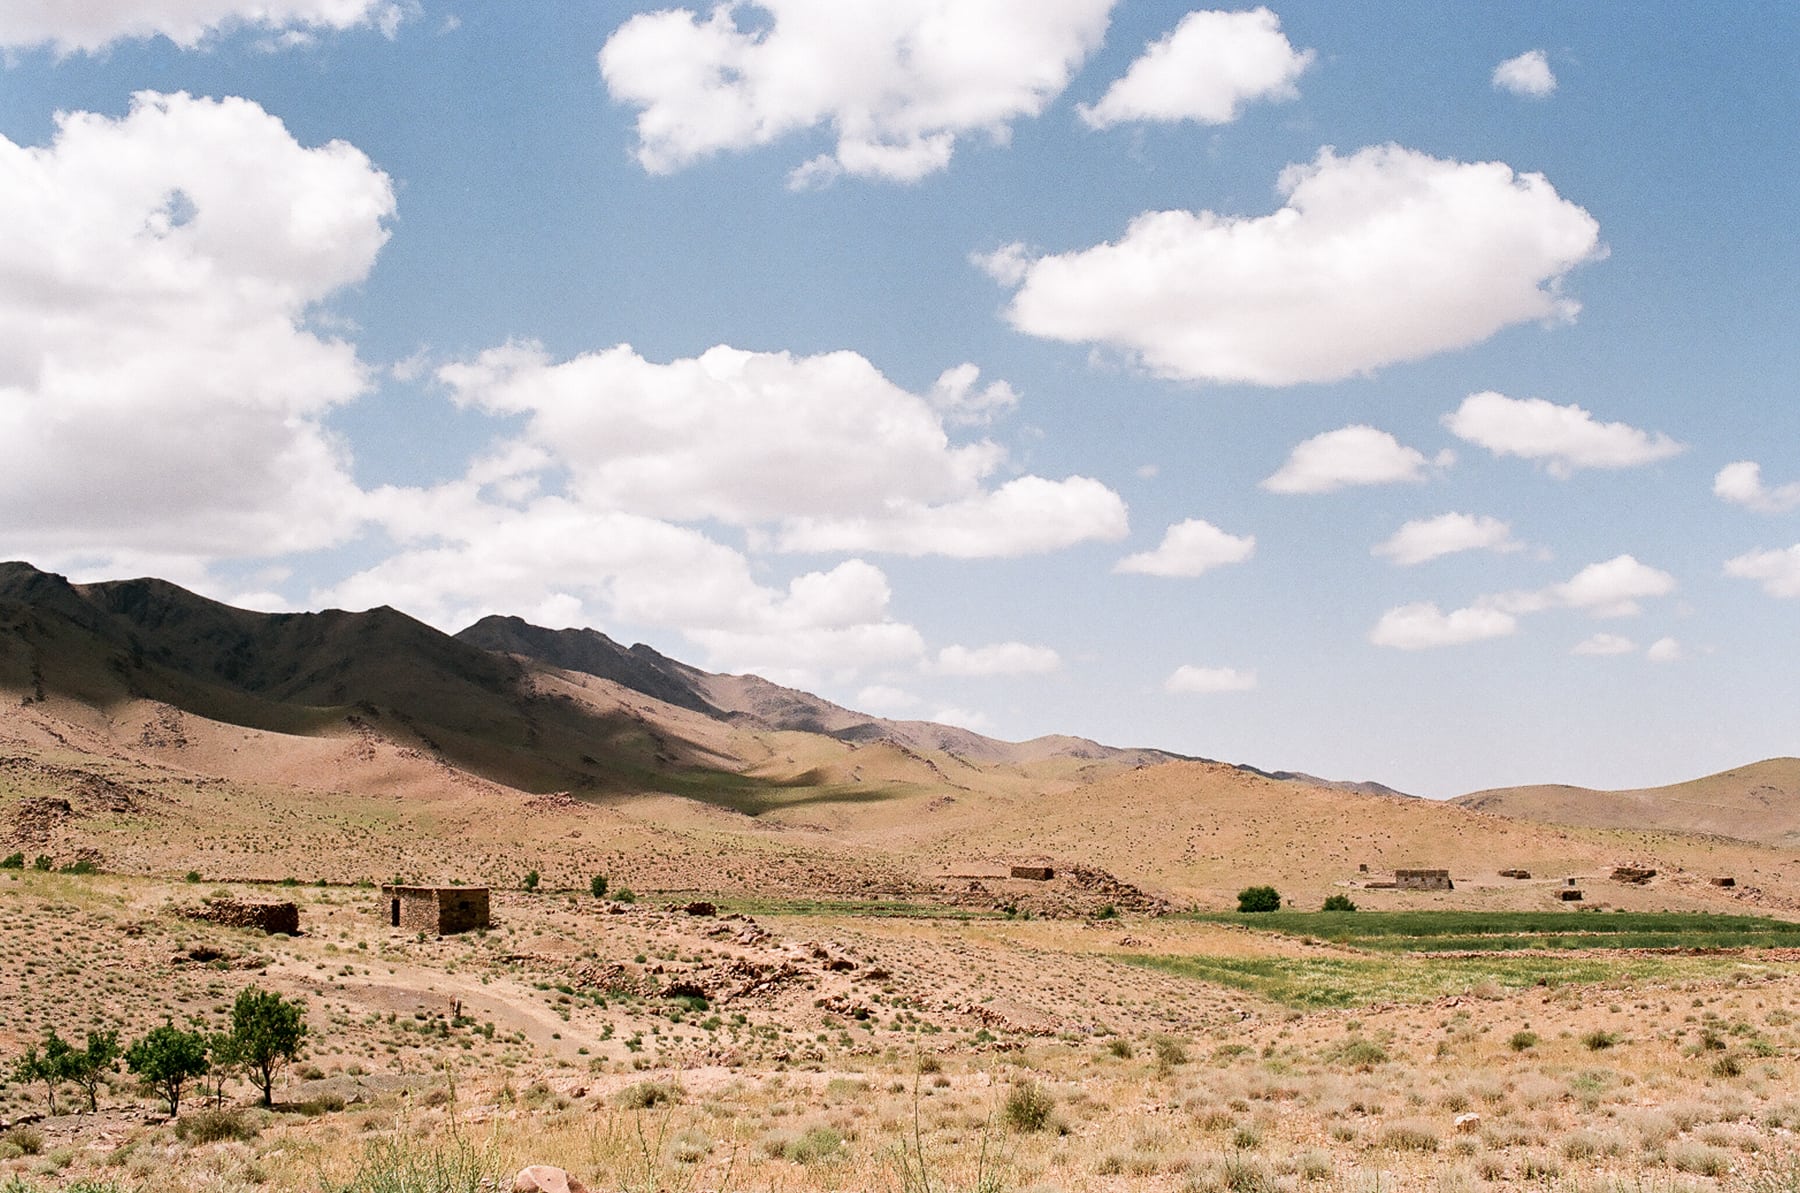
[1503, 931]
[1314, 982]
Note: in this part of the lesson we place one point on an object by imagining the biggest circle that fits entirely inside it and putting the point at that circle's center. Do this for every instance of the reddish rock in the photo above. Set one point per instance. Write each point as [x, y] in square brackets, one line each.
[542, 1178]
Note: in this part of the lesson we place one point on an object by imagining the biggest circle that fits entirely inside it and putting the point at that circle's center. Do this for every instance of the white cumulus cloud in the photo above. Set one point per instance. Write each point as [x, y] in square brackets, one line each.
[1603, 645]
[1665, 650]
[1423, 626]
[897, 82]
[1527, 75]
[1189, 548]
[1001, 658]
[1430, 538]
[1025, 516]
[1565, 438]
[1380, 256]
[72, 26]
[1777, 571]
[1349, 456]
[1612, 588]
[162, 386]
[824, 449]
[1206, 69]
[1190, 680]
[1741, 483]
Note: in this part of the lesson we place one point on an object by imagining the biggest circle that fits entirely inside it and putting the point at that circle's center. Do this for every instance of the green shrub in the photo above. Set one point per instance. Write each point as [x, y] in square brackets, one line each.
[1596, 1040]
[27, 1141]
[1259, 898]
[1338, 903]
[816, 1145]
[647, 1094]
[1169, 1051]
[624, 895]
[80, 866]
[598, 886]
[192, 876]
[1521, 1041]
[211, 1126]
[1027, 1108]
[42, 862]
[531, 880]
[1358, 1053]
[13, 861]
[1120, 1047]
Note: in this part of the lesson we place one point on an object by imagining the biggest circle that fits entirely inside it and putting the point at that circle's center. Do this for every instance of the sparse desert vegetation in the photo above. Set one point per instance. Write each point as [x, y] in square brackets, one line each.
[817, 1048]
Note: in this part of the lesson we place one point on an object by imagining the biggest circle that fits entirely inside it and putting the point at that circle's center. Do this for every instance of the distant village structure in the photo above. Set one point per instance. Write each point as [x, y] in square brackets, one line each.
[437, 910]
[1423, 880]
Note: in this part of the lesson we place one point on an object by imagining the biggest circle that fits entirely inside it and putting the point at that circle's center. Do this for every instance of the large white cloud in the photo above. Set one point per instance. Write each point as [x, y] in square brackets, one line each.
[1526, 75]
[1777, 571]
[1613, 588]
[1431, 538]
[1190, 548]
[1025, 516]
[1349, 456]
[824, 449]
[999, 658]
[1564, 437]
[1741, 483]
[897, 82]
[161, 388]
[1384, 255]
[1424, 626]
[71, 26]
[466, 551]
[1206, 69]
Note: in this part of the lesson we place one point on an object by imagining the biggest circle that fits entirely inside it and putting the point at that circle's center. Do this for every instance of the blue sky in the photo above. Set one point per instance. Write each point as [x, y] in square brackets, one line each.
[1402, 394]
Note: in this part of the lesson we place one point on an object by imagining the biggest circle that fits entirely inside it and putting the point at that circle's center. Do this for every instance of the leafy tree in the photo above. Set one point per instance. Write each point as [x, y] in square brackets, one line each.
[89, 1067]
[598, 886]
[224, 1060]
[167, 1058]
[1259, 898]
[13, 861]
[531, 880]
[267, 1031]
[1338, 903]
[47, 1062]
[42, 862]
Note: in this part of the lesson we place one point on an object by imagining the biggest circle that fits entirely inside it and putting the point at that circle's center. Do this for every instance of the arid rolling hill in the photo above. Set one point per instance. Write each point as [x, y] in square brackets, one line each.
[1759, 802]
[156, 731]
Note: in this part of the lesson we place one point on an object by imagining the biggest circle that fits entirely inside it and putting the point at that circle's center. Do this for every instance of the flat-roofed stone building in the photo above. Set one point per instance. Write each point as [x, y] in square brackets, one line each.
[438, 910]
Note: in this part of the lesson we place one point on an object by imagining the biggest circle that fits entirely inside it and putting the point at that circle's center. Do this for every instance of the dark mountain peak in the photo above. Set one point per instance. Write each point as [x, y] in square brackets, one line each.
[591, 652]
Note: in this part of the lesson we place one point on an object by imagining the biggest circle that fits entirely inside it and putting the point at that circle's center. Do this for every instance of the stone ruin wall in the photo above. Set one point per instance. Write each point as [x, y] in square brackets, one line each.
[273, 918]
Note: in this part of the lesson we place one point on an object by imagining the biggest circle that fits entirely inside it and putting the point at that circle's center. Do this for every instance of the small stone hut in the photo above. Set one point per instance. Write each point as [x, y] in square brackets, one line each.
[1423, 880]
[439, 910]
[1034, 873]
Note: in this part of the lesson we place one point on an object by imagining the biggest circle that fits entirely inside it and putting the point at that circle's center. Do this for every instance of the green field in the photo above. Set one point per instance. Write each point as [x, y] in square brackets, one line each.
[1491, 932]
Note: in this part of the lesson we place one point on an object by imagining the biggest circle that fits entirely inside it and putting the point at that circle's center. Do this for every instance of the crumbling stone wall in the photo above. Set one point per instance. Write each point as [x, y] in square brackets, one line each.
[273, 918]
[1423, 880]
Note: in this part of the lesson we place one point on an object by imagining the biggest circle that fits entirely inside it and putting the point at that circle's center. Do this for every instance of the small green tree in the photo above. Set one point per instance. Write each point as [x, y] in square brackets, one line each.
[166, 1059]
[598, 886]
[1338, 903]
[47, 1062]
[43, 863]
[13, 861]
[89, 1066]
[531, 880]
[267, 1031]
[1259, 898]
[224, 1062]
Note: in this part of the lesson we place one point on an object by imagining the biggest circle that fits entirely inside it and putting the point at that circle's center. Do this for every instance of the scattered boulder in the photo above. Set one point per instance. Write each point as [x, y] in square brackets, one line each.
[701, 907]
[543, 1178]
